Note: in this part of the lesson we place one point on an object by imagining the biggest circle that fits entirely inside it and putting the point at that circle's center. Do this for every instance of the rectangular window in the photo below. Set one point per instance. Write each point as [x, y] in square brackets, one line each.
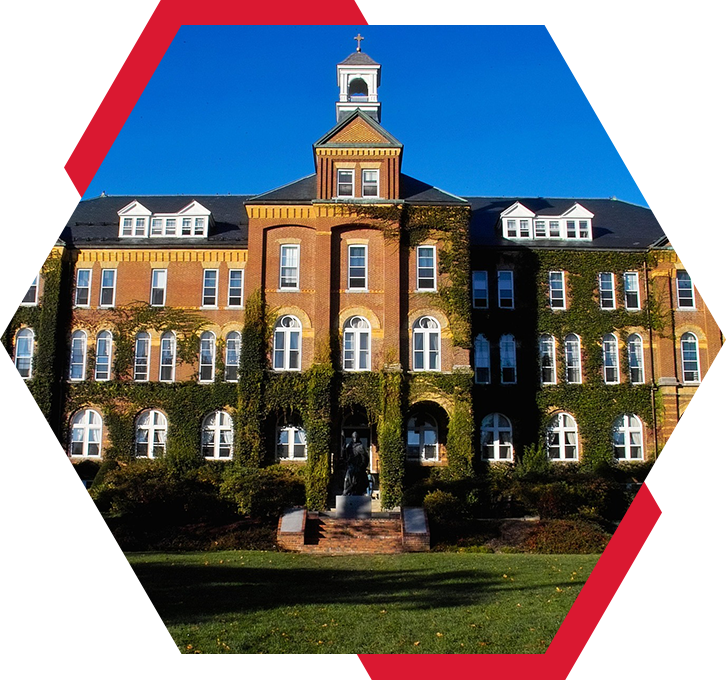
[108, 288]
[505, 286]
[686, 298]
[606, 282]
[370, 183]
[357, 267]
[524, 228]
[170, 227]
[482, 361]
[290, 267]
[610, 359]
[345, 183]
[209, 288]
[584, 229]
[236, 287]
[548, 372]
[199, 226]
[554, 229]
[141, 357]
[140, 229]
[167, 357]
[31, 297]
[508, 360]
[571, 229]
[127, 227]
[158, 287]
[426, 268]
[540, 229]
[83, 288]
[480, 289]
[632, 290]
[512, 228]
[157, 226]
[557, 290]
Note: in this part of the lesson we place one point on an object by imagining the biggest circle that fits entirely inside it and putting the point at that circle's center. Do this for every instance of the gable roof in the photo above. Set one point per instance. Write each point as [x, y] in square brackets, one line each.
[385, 137]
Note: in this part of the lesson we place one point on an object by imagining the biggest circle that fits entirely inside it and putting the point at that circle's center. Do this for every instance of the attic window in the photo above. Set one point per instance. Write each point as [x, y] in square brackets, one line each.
[136, 221]
[575, 224]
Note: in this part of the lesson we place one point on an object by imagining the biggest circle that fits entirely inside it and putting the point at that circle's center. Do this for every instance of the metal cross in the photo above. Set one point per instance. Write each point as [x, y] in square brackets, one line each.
[359, 37]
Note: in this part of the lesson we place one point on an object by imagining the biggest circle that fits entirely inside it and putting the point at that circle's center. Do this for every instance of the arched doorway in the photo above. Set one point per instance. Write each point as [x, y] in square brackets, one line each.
[700, 447]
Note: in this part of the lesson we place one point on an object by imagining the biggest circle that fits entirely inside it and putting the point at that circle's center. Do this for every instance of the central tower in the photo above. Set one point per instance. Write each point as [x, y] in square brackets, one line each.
[358, 79]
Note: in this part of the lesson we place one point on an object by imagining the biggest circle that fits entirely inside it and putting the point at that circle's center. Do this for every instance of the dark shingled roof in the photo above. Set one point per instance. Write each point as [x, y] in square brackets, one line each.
[616, 225]
[358, 59]
[95, 221]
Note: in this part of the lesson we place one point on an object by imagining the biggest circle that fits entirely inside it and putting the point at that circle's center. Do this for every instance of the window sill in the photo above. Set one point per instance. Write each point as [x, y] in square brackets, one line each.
[234, 307]
[357, 290]
[288, 290]
[28, 304]
[209, 307]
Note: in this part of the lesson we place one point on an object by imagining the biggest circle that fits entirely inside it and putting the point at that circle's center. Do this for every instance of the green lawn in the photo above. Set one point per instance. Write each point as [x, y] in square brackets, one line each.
[249, 602]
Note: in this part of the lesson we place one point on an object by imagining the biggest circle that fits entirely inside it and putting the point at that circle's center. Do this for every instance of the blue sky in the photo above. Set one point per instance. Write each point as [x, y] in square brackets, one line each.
[481, 111]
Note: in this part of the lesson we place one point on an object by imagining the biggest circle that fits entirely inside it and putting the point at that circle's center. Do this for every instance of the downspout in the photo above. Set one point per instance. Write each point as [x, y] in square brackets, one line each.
[653, 385]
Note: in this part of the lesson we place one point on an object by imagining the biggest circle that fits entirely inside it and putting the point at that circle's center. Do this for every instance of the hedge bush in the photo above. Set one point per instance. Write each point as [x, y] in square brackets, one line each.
[566, 537]
[264, 492]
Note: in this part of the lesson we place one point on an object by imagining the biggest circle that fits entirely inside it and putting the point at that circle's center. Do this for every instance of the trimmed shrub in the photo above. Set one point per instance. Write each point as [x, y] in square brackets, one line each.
[264, 492]
[444, 507]
[566, 537]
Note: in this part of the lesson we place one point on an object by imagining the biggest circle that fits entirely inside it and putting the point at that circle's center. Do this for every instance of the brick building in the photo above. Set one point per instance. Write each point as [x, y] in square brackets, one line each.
[449, 331]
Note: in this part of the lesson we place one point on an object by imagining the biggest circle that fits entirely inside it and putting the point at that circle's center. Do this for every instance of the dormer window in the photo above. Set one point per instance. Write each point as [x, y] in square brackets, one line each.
[518, 222]
[170, 227]
[192, 220]
[157, 226]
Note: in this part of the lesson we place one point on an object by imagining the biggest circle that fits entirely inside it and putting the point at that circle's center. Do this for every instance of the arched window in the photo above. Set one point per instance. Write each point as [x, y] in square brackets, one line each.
[141, 357]
[562, 438]
[547, 365]
[610, 359]
[496, 437]
[167, 357]
[78, 356]
[482, 361]
[231, 356]
[292, 442]
[217, 435]
[24, 343]
[104, 344]
[573, 368]
[508, 359]
[422, 438]
[356, 344]
[86, 431]
[287, 344]
[628, 438]
[426, 344]
[635, 359]
[207, 352]
[690, 359]
[151, 434]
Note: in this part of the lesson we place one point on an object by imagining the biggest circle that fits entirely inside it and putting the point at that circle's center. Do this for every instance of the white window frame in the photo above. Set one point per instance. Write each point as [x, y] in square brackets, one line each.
[82, 338]
[482, 361]
[289, 273]
[429, 355]
[141, 361]
[636, 290]
[357, 344]
[433, 278]
[232, 348]
[339, 183]
[573, 359]
[547, 350]
[107, 337]
[507, 341]
[557, 301]
[205, 288]
[364, 287]
[230, 288]
[27, 355]
[170, 226]
[365, 184]
[525, 228]
[140, 227]
[683, 275]
[151, 427]
[688, 374]
[87, 288]
[207, 356]
[610, 359]
[289, 432]
[426, 423]
[636, 362]
[103, 288]
[554, 228]
[499, 426]
[558, 426]
[165, 355]
[282, 344]
[628, 425]
[480, 289]
[155, 274]
[606, 293]
[33, 301]
[85, 426]
[157, 226]
[502, 276]
[216, 423]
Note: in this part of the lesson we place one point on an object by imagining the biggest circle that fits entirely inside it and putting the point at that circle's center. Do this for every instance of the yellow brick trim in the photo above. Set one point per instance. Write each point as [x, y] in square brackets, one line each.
[161, 255]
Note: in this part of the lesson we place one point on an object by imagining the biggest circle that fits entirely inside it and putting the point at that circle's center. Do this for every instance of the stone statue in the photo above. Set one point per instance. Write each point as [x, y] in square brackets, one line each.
[356, 459]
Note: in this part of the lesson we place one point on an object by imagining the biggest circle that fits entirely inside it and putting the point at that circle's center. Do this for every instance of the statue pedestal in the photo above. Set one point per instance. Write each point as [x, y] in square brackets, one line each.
[353, 507]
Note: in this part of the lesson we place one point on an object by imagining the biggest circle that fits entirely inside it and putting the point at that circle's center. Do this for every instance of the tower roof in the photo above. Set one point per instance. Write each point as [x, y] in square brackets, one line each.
[358, 59]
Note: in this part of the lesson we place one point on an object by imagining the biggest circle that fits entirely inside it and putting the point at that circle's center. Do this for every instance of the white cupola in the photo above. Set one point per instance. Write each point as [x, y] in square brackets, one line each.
[358, 79]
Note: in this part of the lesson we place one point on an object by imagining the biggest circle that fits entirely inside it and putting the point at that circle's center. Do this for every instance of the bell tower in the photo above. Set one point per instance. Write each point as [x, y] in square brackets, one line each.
[358, 79]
